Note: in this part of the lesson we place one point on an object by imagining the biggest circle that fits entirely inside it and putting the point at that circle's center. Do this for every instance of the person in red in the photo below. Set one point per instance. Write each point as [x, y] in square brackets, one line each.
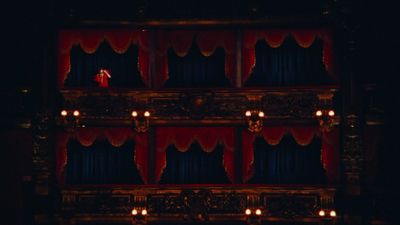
[102, 78]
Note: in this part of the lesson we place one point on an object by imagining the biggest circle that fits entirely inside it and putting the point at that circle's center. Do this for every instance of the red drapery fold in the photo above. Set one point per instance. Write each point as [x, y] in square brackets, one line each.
[303, 136]
[275, 38]
[207, 41]
[183, 137]
[330, 155]
[61, 155]
[115, 136]
[89, 40]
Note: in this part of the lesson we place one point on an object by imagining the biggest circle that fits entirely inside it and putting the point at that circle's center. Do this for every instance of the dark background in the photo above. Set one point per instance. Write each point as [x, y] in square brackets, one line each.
[28, 61]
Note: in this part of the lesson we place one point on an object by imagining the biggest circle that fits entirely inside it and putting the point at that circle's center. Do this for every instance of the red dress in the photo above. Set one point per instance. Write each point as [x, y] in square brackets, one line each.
[102, 78]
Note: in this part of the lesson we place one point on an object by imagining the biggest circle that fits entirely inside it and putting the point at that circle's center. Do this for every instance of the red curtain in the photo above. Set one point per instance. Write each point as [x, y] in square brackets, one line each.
[275, 38]
[303, 136]
[183, 137]
[115, 136]
[208, 41]
[89, 40]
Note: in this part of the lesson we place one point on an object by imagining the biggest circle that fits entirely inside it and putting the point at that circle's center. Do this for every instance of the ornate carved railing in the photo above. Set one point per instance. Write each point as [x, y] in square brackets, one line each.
[214, 106]
[195, 203]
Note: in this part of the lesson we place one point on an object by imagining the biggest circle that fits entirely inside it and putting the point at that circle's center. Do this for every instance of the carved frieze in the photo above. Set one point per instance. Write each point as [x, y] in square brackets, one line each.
[212, 105]
[290, 206]
[197, 204]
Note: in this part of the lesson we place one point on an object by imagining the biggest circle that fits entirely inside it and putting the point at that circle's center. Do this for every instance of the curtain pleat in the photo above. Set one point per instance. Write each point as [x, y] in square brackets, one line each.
[115, 138]
[303, 137]
[90, 40]
[183, 137]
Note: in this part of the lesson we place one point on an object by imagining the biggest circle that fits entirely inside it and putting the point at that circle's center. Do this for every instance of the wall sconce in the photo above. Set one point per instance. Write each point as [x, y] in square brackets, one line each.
[327, 215]
[326, 119]
[253, 217]
[254, 120]
[70, 118]
[140, 120]
[139, 216]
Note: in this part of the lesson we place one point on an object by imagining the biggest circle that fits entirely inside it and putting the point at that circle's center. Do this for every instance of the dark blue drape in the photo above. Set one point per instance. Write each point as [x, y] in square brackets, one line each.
[288, 65]
[123, 67]
[194, 166]
[288, 162]
[196, 70]
[101, 163]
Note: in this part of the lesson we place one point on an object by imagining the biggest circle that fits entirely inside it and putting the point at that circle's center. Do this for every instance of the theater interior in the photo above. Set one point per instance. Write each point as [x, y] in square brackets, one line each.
[227, 112]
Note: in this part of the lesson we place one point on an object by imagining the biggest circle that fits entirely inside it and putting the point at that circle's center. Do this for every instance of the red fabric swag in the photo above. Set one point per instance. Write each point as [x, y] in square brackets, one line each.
[208, 41]
[303, 136]
[89, 40]
[183, 137]
[115, 136]
[275, 38]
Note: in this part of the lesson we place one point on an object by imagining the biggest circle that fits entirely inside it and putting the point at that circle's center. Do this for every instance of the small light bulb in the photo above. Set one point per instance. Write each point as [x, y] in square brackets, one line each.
[332, 213]
[147, 114]
[144, 212]
[261, 114]
[248, 113]
[247, 212]
[76, 113]
[318, 113]
[258, 212]
[64, 113]
[134, 212]
[321, 213]
[134, 114]
[331, 113]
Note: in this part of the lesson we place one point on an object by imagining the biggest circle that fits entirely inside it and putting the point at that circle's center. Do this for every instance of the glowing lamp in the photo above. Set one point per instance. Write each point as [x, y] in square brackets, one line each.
[64, 113]
[248, 113]
[134, 114]
[76, 113]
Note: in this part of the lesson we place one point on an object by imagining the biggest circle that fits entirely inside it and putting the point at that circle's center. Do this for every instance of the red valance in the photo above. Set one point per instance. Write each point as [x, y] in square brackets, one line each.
[183, 137]
[115, 136]
[207, 41]
[275, 38]
[89, 40]
[303, 136]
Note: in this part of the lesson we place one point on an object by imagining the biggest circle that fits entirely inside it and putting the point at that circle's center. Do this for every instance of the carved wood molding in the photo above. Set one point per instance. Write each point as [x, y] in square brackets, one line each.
[203, 203]
[214, 106]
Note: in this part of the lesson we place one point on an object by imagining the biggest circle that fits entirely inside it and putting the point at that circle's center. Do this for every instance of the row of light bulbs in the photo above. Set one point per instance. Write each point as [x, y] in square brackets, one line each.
[136, 114]
[135, 212]
[260, 114]
[76, 113]
[248, 113]
[257, 212]
[322, 213]
[320, 113]
[247, 212]
[65, 113]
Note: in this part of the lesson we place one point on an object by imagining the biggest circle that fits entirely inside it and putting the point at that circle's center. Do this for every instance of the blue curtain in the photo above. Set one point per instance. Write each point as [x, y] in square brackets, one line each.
[194, 166]
[123, 67]
[288, 65]
[288, 162]
[196, 70]
[101, 163]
